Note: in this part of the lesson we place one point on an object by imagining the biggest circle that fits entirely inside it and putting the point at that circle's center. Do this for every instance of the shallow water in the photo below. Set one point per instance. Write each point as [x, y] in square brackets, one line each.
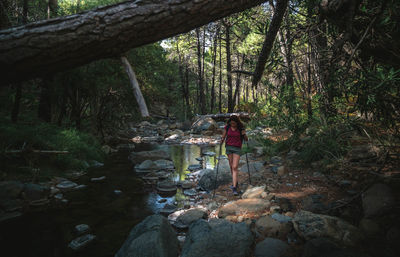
[48, 231]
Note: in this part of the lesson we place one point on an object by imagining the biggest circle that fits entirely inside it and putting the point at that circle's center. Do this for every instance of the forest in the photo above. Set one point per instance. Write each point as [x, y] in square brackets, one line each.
[84, 81]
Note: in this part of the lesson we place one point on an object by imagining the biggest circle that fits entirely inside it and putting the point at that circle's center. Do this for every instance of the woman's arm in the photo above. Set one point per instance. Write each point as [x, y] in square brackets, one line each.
[223, 136]
[245, 135]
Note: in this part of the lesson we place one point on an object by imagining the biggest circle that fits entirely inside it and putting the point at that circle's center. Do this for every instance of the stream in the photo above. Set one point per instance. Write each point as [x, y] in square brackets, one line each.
[48, 231]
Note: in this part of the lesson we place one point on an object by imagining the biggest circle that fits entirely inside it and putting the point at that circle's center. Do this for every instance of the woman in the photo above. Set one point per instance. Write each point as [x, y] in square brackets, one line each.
[234, 133]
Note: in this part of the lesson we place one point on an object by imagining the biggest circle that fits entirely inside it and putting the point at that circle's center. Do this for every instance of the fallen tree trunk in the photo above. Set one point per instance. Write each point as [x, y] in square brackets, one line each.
[224, 116]
[57, 44]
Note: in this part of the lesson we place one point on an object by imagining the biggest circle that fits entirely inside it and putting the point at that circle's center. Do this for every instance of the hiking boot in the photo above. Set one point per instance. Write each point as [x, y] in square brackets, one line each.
[235, 192]
[237, 187]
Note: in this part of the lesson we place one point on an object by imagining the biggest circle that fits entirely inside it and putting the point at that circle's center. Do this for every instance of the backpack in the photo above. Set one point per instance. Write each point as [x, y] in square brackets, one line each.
[240, 131]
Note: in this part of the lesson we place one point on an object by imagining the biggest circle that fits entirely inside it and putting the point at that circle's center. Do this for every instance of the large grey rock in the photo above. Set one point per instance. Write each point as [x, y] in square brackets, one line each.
[254, 192]
[190, 216]
[33, 192]
[310, 225]
[209, 179]
[270, 227]
[244, 206]
[271, 247]
[137, 157]
[377, 200]
[152, 237]
[323, 247]
[66, 185]
[204, 123]
[253, 166]
[217, 238]
[166, 186]
[164, 164]
[81, 241]
[10, 189]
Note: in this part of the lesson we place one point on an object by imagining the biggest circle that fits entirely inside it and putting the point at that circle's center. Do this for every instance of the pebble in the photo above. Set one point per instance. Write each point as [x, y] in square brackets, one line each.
[81, 241]
[81, 229]
[98, 179]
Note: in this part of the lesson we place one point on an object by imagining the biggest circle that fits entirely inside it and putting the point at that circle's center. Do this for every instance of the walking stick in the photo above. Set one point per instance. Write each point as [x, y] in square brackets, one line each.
[216, 174]
[247, 160]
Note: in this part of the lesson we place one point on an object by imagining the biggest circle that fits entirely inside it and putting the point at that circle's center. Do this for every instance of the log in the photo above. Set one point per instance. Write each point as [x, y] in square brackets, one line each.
[54, 45]
[224, 116]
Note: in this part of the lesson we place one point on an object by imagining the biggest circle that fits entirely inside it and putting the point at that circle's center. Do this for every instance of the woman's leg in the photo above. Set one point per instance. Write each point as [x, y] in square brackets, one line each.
[235, 169]
[230, 158]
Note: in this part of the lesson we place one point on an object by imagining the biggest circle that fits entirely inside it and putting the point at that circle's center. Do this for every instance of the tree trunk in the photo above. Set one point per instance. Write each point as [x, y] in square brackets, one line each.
[187, 96]
[58, 44]
[4, 21]
[200, 74]
[273, 29]
[17, 101]
[220, 75]
[214, 58]
[135, 86]
[228, 66]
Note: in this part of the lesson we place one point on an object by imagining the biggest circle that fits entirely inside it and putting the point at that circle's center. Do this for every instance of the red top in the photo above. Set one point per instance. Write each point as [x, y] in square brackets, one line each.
[233, 137]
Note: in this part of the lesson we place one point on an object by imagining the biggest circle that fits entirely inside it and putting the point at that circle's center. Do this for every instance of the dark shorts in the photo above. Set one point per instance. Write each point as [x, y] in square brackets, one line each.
[233, 150]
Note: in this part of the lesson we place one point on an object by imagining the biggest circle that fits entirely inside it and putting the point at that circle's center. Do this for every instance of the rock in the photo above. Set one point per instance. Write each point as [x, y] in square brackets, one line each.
[95, 164]
[204, 123]
[165, 164]
[271, 247]
[309, 225]
[190, 192]
[166, 186]
[125, 147]
[137, 157]
[193, 167]
[208, 180]
[162, 200]
[78, 187]
[276, 160]
[188, 217]
[81, 229]
[81, 241]
[33, 192]
[187, 185]
[146, 166]
[369, 227]
[377, 200]
[285, 203]
[254, 192]
[345, 183]
[98, 179]
[217, 238]
[254, 167]
[209, 153]
[10, 189]
[59, 196]
[173, 137]
[200, 159]
[318, 246]
[6, 216]
[323, 247]
[281, 218]
[152, 237]
[168, 209]
[66, 185]
[270, 227]
[258, 151]
[292, 155]
[117, 192]
[313, 203]
[281, 171]
[253, 206]
[107, 149]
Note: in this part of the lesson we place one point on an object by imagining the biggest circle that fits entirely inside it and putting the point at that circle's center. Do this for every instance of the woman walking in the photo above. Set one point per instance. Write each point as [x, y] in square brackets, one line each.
[234, 133]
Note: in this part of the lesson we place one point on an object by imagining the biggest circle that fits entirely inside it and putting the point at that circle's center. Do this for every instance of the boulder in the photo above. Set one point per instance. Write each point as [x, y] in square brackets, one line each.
[377, 200]
[10, 189]
[152, 237]
[81, 241]
[193, 167]
[166, 186]
[271, 247]
[310, 225]
[217, 238]
[203, 124]
[369, 227]
[210, 181]
[164, 164]
[323, 247]
[137, 157]
[33, 192]
[254, 192]
[269, 227]
[188, 217]
[244, 206]
[253, 166]
[168, 209]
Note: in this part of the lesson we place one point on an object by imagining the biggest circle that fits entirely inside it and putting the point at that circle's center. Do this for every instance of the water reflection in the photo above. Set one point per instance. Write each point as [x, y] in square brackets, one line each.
[182, 156]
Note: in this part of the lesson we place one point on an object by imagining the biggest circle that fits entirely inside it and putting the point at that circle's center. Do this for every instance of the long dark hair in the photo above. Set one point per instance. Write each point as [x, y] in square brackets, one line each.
[237, 120]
